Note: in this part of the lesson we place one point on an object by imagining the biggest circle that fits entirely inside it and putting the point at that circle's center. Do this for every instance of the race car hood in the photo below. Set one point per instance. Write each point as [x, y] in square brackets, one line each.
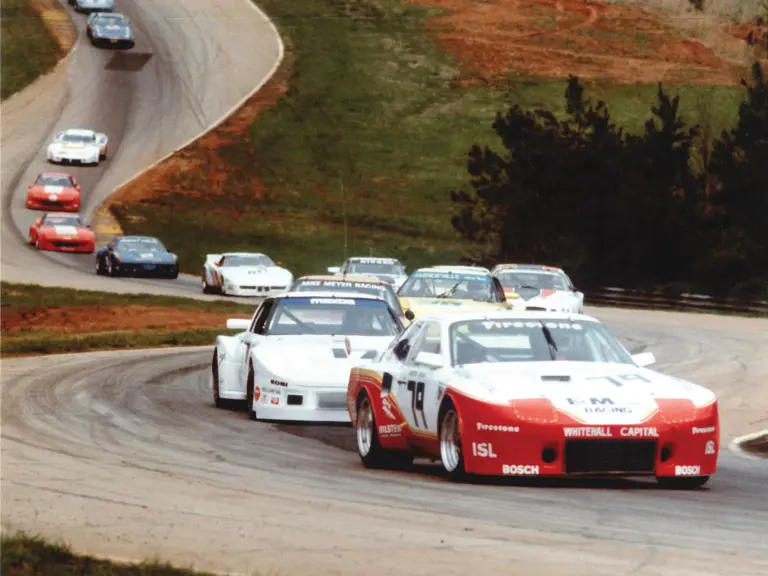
[145, 256]
[249, 274]
[64, 231]
[119, 31]
[589, 392]
[429, 306]
[316, 360]
[61, 191]
[72, 149]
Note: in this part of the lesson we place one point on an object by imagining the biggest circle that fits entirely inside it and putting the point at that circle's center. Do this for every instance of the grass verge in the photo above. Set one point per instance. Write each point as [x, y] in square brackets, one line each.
[25, 555]
[41, 320]
[28, 48]
[370, 137]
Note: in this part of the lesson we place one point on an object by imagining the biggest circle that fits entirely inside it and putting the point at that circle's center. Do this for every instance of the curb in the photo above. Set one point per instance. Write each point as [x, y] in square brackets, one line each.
[106, 218]
[737, 445]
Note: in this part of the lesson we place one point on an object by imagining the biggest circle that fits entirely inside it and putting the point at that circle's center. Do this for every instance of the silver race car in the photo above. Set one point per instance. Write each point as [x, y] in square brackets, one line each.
[88, 6]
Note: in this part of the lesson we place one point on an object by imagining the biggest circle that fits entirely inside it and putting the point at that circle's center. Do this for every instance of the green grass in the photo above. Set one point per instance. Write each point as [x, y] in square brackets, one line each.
[27, 297]
[28, 49]
[377, 115]
[25, 555]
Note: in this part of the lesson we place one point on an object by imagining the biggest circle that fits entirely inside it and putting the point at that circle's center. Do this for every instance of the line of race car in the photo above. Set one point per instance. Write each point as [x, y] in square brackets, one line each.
[490, 372]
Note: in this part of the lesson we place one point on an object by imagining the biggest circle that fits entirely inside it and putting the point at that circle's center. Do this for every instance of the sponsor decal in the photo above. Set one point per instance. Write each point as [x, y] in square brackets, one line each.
[620, 379]
[388, 407]
[483, 450]
[639, 432]
[275, 400]
[593, 401]
[497, 428]
[372, 260]
[343, 301]
[708, 430]
[608, 410]
[709, 448]
[588, 432]
[389, 430]
[278, 383]
[494, 324]
[520, 470]
[256, 394]
[687, 470]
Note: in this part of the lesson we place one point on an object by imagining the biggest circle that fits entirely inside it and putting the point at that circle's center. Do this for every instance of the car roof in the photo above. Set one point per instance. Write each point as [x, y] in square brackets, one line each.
[55, 174]
[454, 317]
[243, 254]
[346, 278]
[79, 132]
[479, 272]
[69, 214]
[376, 258]
[542, 267]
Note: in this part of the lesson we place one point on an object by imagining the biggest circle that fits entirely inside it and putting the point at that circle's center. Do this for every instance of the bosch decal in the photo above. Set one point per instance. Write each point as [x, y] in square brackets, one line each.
[520, 470]
[687, 470]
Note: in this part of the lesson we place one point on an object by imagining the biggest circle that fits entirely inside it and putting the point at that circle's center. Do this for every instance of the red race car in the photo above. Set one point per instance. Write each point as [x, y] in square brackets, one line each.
[55, 190]
[62, 232]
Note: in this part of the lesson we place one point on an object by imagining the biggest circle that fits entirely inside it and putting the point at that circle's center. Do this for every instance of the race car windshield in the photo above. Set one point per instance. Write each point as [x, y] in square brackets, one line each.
[384, 291]
[143, 244]
[332, 316]
[62, 221]
[480, 341]
[249, 260]
[533, 279]
[48, 180]
[451, 286]
[77, 138]
[375, 268]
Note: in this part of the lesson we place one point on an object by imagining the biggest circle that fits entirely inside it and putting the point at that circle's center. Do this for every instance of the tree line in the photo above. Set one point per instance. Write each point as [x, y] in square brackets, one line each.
[618, 209]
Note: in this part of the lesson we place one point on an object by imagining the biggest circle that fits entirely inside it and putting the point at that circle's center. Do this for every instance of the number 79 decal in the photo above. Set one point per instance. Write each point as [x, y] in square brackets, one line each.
[417, 401]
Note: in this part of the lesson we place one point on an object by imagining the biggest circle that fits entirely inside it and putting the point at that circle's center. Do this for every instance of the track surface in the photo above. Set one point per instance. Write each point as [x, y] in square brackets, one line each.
[124, 455]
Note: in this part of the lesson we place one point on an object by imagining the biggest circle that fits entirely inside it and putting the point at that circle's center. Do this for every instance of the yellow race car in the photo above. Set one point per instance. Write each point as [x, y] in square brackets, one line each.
[431, 291]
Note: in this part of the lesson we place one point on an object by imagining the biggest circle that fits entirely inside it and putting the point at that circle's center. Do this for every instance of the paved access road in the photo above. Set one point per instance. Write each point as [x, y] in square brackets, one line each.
[123, 453]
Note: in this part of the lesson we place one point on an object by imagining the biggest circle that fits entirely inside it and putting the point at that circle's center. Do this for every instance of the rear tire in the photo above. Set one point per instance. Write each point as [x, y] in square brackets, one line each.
[99, 269]
[207, 289]
[451, 449]
[372, 454]
[684, 483]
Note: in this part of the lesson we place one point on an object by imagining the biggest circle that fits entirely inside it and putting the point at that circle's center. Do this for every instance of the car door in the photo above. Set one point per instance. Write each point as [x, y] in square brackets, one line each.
[418, 391]
[253, 337]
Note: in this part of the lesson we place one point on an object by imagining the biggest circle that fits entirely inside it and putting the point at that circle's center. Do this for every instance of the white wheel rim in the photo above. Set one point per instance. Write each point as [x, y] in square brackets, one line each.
[450, 441]
[364, 427]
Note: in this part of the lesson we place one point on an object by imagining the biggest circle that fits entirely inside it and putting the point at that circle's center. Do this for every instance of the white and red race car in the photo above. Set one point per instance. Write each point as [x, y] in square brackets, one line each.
[537, 287]
[530, 394]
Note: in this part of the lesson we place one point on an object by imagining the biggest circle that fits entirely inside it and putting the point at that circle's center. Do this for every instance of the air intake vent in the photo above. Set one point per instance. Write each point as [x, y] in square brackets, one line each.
[339, 353]
[563, 378]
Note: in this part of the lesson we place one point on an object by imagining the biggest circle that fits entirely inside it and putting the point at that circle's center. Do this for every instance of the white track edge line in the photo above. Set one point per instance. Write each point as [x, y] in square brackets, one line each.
[735, 445]
[222, 119]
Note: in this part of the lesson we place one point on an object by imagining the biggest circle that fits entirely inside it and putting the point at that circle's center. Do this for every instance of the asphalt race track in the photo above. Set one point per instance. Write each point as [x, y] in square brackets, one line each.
[124, 455]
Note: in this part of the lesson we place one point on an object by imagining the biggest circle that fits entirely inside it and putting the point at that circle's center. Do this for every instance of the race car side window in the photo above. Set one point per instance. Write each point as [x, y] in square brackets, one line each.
[260, 321]
[499, 290]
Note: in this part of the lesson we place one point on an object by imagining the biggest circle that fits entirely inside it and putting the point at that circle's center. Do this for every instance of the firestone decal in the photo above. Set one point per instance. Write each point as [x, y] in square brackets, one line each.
[708, 430]
[497, 428]
[520, 470]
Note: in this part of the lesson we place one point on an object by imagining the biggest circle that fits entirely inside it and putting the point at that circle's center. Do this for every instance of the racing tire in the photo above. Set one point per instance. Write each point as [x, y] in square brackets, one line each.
[218, 401]
[103, 156]
[207, 288]
[37, 243]
[249, 386]
[99, 269]
[684, 483]
[369, 447]
[110, 267]
[449, 435]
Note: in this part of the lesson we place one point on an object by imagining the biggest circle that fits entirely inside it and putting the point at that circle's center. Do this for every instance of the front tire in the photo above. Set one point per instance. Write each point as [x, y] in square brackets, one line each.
[218, 401]
[684, 483]
[451, 449]
[99, 269]
[249, 389]
[110, 266]
[207, 289]
[369, 447]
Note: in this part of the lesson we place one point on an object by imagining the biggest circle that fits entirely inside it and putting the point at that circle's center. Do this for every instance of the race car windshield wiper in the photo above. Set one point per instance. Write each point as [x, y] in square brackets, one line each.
[550, 341]
[451, 291]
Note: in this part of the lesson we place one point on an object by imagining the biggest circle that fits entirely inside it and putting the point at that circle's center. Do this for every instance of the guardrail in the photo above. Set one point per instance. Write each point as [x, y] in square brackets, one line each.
[624, 298]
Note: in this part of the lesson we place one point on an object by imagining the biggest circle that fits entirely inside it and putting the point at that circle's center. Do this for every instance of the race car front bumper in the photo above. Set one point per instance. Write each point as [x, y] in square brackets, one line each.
[61, 159]
[147, 270]
[57, 205]
[302, 404]
[230, 289]
[520, 440]
[67, 245]
[107, 42]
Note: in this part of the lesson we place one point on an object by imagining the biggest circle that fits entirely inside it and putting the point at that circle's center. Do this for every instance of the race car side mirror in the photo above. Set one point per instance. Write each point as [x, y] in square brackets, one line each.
[278, 263]
[401, 350]
[410, 315]
[644, 359]
[238, 324]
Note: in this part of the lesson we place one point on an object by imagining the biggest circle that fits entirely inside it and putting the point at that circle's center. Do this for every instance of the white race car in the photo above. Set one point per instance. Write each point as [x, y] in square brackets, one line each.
[75, 146]
[244, 274]
[459, 269]
[387, 269]
[530, 394]
[542, 288]
[293, 358]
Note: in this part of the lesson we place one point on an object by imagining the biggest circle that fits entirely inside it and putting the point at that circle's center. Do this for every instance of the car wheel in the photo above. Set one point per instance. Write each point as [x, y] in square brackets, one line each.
[217, 400]
[369, 446]
[110, 266]
[685, 483]
[37, 243]
[103, 156]
[451, 452]
[99, 269]
[249, 408]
